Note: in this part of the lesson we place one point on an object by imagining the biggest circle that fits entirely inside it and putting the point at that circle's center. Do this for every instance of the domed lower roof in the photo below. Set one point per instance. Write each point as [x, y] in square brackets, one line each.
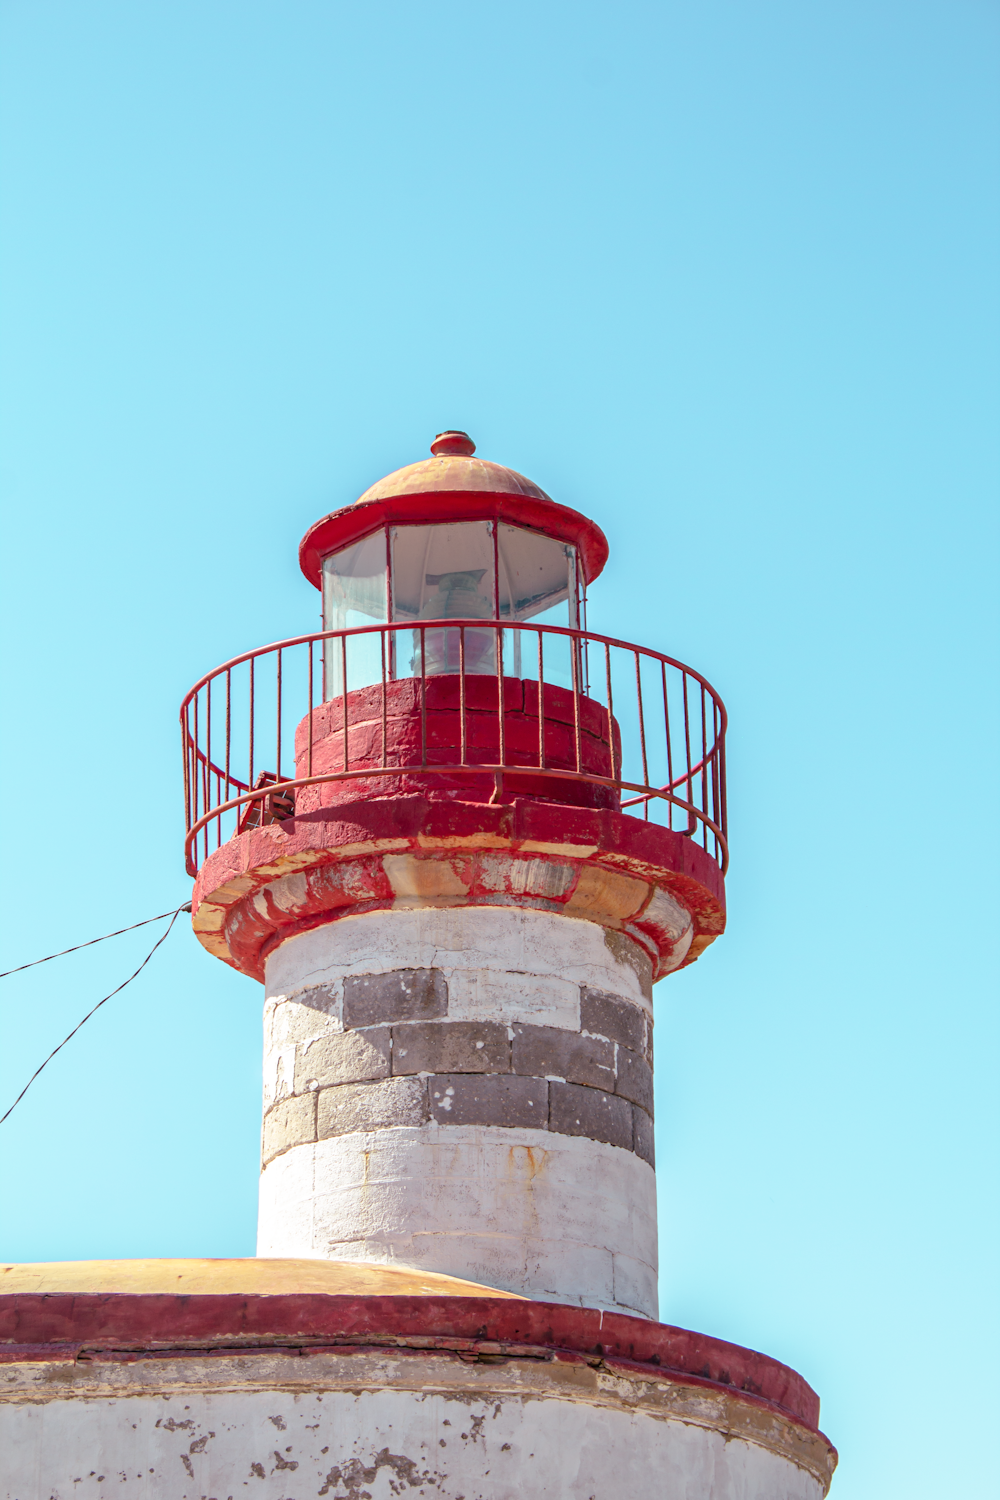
[263, 1277]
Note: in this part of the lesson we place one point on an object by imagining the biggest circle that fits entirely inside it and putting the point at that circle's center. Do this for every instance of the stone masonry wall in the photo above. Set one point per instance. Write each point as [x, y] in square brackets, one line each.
[401, 1061]
[467, 1090]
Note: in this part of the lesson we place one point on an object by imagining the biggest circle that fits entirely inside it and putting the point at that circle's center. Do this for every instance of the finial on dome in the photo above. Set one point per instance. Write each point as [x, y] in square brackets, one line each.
[453, 444]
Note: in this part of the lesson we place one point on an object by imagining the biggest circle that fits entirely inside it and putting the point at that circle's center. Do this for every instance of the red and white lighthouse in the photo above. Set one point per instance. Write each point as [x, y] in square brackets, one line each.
[458, 838]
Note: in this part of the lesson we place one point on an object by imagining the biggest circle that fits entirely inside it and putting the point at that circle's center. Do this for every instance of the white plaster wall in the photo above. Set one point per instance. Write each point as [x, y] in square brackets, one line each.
[559, 1218]
[467, 941]
[454, 1443]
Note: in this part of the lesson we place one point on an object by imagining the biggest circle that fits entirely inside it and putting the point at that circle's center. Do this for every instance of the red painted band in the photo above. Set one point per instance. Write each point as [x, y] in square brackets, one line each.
[342, 527]
[64, 1322]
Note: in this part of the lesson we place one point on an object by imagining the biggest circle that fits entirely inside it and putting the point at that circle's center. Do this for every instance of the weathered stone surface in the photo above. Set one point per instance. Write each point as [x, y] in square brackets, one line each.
[602, 894]
[291, 1122]
[642, 1138]
[490, 1099]
[493, 994]
[550, 1051]
[635, 1079]
[370, 1106]
[576, 1110]
[348, 1057]
[609, 1016]
[627, 951]
[311, 1013]
[451, 1047]
[402, 995]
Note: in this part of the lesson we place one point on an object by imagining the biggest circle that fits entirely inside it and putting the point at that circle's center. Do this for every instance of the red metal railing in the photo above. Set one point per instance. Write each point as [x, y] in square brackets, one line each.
[532, 706]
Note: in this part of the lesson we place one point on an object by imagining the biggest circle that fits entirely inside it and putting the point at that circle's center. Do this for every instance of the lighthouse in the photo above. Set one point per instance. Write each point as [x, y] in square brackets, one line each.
[458, 839]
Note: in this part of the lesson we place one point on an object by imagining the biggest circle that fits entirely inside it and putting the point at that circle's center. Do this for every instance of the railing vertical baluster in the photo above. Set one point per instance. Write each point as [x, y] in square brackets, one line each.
[343, 690]
[541, 703]
[500, 713]
[386, 657]
[186, 747]
[277, 748]
[687, 750]
[311, 648]
[704, 769]
[616, 770]
[670, 753]
[206, 790]
[253, 715]
[642, 732]
[462, 728]
[208, 753]
[724, 818]
[575, 647]
[423, 695]
[196, 769]
[229, 727]
[716, 809]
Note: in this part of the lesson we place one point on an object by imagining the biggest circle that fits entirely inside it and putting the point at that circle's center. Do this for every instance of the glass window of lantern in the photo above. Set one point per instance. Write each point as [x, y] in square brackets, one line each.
[537, 582]
[354, 595]
[444, 573]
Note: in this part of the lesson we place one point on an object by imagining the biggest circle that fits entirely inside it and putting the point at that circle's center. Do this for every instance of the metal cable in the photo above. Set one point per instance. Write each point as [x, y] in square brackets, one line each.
[62, 954]
[161, 939]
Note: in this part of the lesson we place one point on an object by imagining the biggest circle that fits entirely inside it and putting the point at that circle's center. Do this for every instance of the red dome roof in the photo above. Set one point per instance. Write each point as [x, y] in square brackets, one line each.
[453, 485]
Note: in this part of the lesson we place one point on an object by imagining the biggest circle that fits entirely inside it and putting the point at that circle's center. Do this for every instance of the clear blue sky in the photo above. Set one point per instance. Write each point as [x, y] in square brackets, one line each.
[724, 277]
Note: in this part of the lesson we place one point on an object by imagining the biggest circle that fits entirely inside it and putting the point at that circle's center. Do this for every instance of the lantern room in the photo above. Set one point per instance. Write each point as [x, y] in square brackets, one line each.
[451, 538]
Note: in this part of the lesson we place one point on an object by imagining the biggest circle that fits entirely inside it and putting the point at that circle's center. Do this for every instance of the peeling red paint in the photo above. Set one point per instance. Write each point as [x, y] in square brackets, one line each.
[340, 859]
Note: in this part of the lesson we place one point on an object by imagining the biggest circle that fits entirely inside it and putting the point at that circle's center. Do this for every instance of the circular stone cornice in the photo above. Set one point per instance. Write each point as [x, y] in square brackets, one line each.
[654, 887]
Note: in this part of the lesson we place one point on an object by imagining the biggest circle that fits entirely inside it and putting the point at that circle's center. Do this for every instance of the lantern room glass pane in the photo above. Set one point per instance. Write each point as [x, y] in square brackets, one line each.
[354, 594]
[444, 572]
[538, 582]
[537, 577]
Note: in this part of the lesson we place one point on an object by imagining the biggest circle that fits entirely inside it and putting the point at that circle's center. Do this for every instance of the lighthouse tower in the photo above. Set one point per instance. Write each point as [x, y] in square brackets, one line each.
[458, 838]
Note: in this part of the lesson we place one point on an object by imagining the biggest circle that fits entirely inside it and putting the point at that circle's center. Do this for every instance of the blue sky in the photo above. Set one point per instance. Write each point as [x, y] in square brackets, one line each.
[722, 276]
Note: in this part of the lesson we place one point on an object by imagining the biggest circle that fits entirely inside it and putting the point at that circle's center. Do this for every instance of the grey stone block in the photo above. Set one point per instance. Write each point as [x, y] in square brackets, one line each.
[627, 951]
[576, 1110]
[451, 1047]
[635, 1079]
[348, 1057]
[607, 1015]
[642, 1127]
[402, 995]
[489, 1099]
[546, 1051]
[290, 1122]
[370, 1106]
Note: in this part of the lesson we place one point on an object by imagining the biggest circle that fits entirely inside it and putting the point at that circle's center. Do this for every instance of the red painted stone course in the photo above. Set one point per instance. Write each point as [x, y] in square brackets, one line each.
[401, 730]
[36, 1326]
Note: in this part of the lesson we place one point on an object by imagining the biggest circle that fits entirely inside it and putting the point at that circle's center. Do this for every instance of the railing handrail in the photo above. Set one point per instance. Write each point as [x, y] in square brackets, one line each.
[586, 636]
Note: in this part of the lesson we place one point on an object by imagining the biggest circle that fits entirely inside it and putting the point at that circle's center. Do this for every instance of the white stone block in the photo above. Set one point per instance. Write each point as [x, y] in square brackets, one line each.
[506, 939]
[547, 1214]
